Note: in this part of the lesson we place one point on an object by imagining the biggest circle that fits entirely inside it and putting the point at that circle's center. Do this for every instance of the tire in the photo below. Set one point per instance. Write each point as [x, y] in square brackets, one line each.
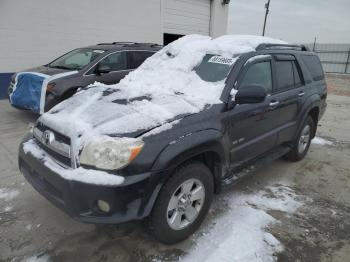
[301, 144]
[168, 222]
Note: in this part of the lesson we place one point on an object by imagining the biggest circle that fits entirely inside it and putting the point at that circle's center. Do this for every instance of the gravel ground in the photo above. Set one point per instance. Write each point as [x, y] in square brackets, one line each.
[302, 210]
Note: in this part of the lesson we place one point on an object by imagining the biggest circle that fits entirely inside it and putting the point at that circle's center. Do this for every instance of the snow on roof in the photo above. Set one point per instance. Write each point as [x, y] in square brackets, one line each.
[164, 87]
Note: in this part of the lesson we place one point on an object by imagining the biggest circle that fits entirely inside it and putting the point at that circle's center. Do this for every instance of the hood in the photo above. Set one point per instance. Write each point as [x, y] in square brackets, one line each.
[46, 70]
[102, 110]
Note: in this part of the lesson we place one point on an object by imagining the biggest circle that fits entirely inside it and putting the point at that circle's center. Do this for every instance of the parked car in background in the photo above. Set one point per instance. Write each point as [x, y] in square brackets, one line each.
[175, 131]
[40, 88]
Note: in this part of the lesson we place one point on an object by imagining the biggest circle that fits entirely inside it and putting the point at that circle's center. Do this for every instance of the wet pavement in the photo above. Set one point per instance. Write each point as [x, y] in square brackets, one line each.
[318, 229]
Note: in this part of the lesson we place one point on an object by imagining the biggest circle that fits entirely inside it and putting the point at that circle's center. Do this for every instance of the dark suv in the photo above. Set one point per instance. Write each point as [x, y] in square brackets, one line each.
[40, 88]
[175, 131]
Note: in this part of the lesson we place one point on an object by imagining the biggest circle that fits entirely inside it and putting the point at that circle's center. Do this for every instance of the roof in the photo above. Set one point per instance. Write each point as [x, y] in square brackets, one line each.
[126, 45]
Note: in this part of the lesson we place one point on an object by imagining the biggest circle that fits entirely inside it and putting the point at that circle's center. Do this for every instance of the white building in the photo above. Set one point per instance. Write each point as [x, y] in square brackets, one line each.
[34, 32]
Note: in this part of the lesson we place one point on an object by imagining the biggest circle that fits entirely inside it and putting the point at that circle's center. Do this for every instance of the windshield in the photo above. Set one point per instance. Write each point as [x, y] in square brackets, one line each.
[76, 59]
[214, 68]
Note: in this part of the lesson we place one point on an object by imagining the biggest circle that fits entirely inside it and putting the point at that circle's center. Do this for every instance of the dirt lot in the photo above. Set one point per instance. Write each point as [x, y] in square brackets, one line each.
[285, 211]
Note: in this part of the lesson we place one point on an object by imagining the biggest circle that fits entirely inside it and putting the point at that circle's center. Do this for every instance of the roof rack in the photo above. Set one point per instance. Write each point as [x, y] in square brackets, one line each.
[130, 43]
[282, 46]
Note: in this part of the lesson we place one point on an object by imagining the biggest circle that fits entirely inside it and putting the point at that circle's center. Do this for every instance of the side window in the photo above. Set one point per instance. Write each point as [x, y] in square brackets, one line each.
[259, 74]
[314, 66]
[297, 79]
[284, 75]
[138, 57]
[115, 61]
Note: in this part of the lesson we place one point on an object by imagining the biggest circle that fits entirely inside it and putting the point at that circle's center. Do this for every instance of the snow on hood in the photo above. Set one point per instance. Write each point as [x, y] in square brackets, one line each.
[163, 88]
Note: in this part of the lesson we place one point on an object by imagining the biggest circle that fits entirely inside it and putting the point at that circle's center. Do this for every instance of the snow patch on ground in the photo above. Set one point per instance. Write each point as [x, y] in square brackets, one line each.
[241, 233]
[78, 174]
[8, 194]
[321, 141]
[43, 258]
[8, 208]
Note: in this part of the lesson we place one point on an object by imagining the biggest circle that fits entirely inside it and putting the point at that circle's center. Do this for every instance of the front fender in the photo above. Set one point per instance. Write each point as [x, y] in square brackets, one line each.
[190, 145]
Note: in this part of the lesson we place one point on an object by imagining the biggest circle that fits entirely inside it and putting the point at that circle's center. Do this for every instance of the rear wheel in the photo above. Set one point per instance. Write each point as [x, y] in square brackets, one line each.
[302, 142]
[182, 204]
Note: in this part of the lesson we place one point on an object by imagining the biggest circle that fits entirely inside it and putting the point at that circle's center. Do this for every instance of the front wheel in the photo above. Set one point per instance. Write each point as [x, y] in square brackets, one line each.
[302, 142]
[182, 204]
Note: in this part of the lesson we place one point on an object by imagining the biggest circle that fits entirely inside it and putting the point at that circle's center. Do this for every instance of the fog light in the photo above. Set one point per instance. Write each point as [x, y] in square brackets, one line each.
[103, 206]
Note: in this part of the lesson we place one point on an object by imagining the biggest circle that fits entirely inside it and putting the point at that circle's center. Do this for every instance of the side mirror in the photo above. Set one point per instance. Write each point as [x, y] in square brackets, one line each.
[103, 69]
[250, 94]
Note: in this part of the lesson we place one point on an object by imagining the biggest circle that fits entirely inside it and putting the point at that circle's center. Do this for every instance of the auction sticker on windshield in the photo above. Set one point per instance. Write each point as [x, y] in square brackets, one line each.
[221, 60]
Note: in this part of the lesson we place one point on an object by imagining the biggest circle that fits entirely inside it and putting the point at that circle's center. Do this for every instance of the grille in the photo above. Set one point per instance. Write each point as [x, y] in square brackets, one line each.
[55, 144]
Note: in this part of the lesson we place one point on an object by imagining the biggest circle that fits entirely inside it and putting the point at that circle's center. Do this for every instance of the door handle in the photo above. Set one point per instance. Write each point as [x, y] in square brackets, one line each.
[302, 93]
[274, 103]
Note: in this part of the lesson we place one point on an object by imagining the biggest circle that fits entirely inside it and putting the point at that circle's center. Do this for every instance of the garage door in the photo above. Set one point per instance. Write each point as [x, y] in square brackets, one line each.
[184, 17]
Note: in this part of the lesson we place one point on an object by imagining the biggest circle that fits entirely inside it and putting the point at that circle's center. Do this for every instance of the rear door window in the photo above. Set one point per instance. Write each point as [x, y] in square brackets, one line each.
[314, 66]
[284, 75]
[136, 58]
[298, 82]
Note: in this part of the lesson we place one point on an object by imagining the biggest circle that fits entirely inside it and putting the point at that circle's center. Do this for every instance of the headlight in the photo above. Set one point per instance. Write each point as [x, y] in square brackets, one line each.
[110, 153]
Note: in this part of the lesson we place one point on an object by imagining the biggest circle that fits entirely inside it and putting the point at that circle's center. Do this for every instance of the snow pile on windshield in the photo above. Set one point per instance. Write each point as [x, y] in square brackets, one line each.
[164, 88]
[241, 232]
[7, 194]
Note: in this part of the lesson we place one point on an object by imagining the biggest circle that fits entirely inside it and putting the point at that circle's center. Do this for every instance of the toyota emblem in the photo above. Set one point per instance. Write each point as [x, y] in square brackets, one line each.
[48, 137]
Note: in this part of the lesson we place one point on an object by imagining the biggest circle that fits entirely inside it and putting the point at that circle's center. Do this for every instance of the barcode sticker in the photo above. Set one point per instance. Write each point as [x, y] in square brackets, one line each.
[221, 60]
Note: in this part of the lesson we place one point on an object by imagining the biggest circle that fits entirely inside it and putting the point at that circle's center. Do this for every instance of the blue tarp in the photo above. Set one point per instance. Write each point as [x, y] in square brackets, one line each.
[27, 91]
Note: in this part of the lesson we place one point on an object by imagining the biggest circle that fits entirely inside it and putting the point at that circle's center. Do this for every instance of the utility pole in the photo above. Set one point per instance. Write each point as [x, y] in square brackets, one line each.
[314, 46]
[267, 6]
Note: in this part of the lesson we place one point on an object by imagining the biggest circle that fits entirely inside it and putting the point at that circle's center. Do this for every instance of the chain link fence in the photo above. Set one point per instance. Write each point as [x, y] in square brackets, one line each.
[335, 58]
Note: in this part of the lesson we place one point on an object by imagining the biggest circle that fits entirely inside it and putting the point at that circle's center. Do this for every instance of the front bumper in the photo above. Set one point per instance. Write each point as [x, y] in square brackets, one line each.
[132, 200]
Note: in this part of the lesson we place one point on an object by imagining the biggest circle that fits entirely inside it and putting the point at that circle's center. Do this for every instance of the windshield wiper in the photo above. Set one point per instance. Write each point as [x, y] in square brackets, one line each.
[61, 67]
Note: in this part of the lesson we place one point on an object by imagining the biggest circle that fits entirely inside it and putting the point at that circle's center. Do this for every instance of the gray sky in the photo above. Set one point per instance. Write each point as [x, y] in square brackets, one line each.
[297, 21]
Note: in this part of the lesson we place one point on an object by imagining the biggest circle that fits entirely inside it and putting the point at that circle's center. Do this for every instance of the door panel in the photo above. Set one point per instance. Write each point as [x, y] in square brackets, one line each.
[291, 95]
[253, 130]
[252, 127]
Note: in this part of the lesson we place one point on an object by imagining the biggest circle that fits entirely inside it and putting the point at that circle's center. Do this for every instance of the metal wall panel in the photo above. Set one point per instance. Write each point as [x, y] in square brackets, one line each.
[187, 17]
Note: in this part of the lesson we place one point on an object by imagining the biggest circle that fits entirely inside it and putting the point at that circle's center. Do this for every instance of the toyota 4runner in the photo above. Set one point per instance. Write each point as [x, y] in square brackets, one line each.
[176, 131]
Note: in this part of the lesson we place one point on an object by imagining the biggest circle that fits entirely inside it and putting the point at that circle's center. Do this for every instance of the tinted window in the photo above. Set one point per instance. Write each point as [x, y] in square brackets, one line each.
[297, 78]
[259, 74]
[214, 68]
[115, 61]
[313, 64]
[138, 57]
[284, 75]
